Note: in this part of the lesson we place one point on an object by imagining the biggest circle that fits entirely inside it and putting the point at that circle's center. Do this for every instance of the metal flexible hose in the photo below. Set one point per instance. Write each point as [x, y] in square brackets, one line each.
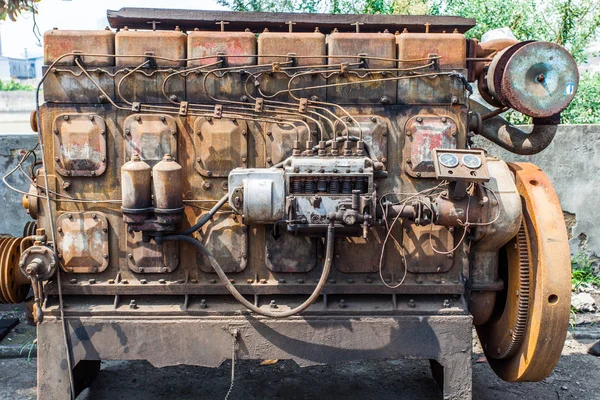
[238, 296]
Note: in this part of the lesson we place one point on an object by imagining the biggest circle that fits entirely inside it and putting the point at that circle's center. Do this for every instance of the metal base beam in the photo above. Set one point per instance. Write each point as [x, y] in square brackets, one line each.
[208, 341]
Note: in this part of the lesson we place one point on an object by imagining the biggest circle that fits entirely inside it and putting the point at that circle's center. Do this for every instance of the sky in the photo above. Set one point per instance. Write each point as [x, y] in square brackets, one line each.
[18, 38]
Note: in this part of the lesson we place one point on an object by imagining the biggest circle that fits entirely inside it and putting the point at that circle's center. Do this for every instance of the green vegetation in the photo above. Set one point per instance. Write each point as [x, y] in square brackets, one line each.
[12, 8]
[583, 271]
[14, 86]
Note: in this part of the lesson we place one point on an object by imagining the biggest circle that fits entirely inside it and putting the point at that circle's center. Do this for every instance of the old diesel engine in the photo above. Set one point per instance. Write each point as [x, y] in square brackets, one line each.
[296, 186]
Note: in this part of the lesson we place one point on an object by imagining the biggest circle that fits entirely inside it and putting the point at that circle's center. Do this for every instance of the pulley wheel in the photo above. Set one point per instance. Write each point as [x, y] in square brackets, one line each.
[29, 229]
[14, 286]
[3, 243]
[524, 337]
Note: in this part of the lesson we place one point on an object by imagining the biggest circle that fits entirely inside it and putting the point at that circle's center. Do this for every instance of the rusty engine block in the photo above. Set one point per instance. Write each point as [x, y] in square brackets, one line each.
[295, 170]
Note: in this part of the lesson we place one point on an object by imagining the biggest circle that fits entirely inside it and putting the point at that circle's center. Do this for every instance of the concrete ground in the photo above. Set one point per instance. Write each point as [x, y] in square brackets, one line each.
[577, 376]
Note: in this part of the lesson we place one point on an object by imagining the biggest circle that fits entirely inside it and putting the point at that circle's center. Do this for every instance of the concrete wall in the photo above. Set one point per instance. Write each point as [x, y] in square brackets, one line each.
[13, 216]
[17, 101]
[572, 161]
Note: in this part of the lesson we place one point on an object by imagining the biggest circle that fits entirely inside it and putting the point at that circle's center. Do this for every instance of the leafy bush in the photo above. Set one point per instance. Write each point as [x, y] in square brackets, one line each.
[583, 271]
[13, 86]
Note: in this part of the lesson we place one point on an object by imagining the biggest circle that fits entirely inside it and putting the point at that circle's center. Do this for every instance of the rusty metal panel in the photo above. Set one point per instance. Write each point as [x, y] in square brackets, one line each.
[151, 258]
[79, 144]
[205, 43]
[82, 241]
[375, 131]
[420, 256]
[289, 253]
[423, 135]
[168, 46]
[360, 91]
[278, 137]
[358, 255]
[69, 85]
[225, 237]
[272, 44]
[355, 255]
[58, 43]
[379, 45]
[450, 47]
[138, 18]
[146, 86]
[431, 90]
[274, 85]
[221, 146]
[151, 136]
[222, 86]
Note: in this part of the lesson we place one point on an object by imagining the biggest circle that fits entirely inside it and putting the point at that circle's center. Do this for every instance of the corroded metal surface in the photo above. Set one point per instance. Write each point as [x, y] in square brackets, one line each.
[221, 145]
[150, 258]
[59, 42]
[425, 133]
[82, 242]
[189, 19]
[449, 47]
[525, 341]
[169, 48]
[539, 79]
[151, 137]
[307, 341]
[80, 144]
[237, 45]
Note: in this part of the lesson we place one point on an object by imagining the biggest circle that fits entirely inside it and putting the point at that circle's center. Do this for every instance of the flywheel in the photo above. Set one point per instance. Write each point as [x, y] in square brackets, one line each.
[524, 337]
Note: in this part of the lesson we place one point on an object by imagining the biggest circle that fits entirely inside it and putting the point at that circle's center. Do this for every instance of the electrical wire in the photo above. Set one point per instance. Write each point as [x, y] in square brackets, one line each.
[390, 230]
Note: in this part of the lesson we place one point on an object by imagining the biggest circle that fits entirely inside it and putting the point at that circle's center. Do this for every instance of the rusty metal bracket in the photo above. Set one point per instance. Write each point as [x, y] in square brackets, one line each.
[292, 59]
[303, 105]
[218, 111]
[435, 62]
[222, 59]
[364, 63]
[77, 58]
[258, 107]
[183, 108]
[275, 67]
[150, 60]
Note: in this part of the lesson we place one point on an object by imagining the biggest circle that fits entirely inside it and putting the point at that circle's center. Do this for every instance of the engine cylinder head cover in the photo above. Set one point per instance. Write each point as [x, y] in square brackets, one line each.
[538, 79]
[167, 184]
[136, 184]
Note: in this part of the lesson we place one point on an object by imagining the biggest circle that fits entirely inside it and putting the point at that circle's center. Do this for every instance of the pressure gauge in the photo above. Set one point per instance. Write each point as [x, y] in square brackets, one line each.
[471, 161]
[448, 160]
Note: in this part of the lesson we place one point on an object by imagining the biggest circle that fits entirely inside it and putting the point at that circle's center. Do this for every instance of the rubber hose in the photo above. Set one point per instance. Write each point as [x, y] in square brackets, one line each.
[206, 217]
[238, 296]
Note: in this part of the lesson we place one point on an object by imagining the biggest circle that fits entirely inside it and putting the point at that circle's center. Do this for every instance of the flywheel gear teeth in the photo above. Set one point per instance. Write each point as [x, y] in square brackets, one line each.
[520, 326]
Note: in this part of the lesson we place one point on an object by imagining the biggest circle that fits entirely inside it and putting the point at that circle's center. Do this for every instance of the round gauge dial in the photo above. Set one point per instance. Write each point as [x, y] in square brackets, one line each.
[471, 161]
[448, 160]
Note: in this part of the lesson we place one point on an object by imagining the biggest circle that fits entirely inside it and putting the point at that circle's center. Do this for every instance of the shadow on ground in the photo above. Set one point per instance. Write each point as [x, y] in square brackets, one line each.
[577, 377]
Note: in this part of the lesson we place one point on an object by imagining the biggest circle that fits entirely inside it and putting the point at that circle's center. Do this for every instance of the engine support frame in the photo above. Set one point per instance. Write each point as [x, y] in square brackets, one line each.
[165, 341]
